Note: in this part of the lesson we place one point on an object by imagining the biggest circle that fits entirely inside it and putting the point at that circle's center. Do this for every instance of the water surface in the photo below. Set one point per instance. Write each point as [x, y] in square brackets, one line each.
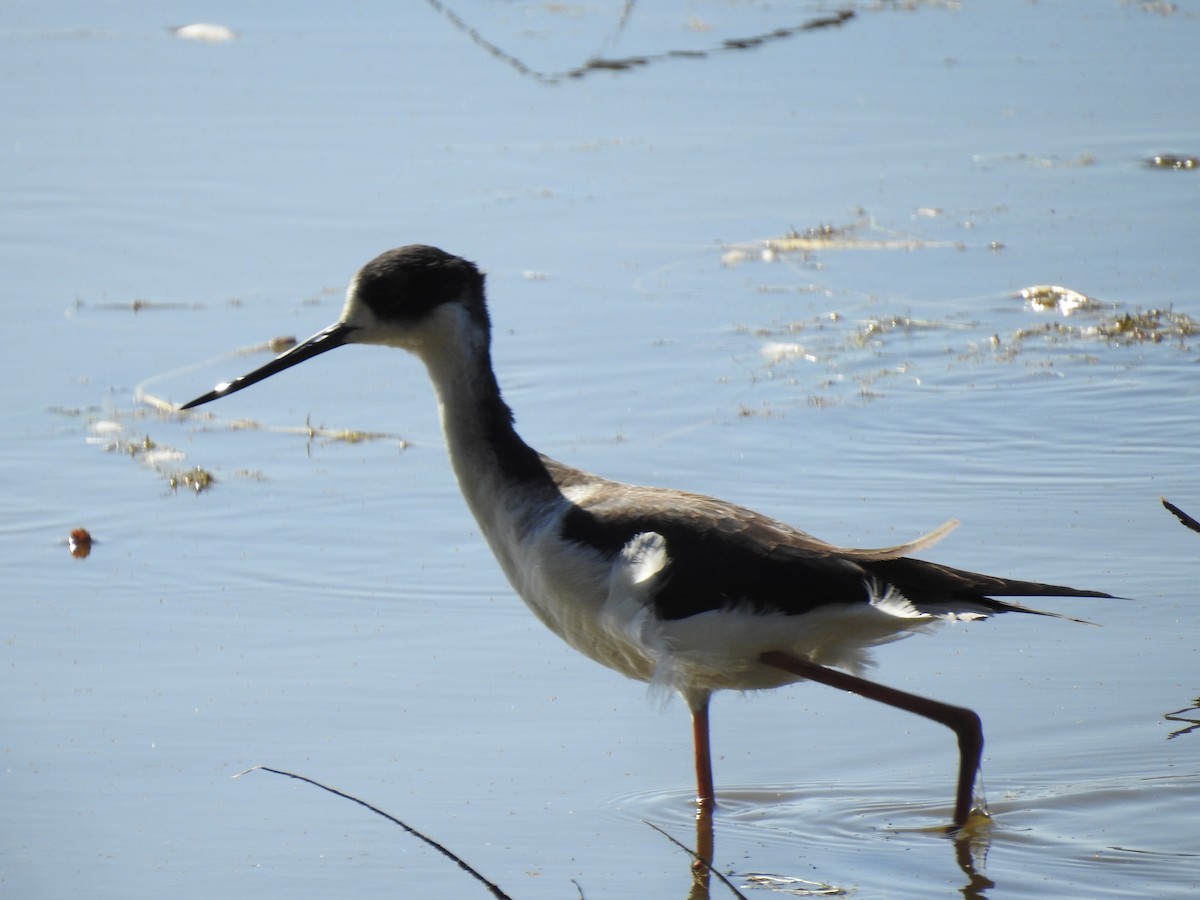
[328, 606]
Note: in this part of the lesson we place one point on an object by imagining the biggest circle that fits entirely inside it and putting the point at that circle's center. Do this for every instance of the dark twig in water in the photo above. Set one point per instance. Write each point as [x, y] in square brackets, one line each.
[621, 64]
[707, 863]
[495, 891]
[1183, 517]
[1181, 715]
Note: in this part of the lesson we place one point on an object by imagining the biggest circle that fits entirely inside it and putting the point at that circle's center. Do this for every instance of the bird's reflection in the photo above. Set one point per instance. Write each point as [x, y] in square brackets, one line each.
[702, 866]
[970, 845]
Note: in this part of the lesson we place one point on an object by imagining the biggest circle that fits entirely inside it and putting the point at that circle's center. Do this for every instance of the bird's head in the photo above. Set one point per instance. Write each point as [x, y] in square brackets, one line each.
[418, 298]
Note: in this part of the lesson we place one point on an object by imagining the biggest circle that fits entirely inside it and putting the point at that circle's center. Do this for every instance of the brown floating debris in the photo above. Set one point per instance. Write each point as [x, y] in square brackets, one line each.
[1053, 297]
[859, 235]
[1148, 326]
[279, 344]
[80, 543]
[198, 479]
[1171, 161]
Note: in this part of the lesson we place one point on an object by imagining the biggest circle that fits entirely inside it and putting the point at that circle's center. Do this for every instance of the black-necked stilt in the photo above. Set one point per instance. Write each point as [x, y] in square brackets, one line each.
[667, 587]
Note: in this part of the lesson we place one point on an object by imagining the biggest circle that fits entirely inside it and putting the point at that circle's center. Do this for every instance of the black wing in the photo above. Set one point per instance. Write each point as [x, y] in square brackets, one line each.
[722, 555]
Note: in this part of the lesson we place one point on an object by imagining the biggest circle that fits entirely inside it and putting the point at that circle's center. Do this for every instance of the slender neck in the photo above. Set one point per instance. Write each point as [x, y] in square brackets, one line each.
[488, 456]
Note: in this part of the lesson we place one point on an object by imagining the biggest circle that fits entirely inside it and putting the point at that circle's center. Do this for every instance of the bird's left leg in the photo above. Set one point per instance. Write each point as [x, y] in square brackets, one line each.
[963, 722]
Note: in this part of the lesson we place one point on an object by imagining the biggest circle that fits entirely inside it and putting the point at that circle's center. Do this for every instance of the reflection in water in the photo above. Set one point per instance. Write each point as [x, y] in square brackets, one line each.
[599, 63]
[705, 847]
[702, 857]
[971, 843]
[1184, 715]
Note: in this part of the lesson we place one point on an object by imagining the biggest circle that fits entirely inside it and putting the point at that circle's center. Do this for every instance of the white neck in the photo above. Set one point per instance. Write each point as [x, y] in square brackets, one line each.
[501, 477]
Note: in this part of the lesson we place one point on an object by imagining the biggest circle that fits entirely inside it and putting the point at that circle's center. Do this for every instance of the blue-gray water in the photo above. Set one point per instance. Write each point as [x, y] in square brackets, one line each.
[328, 606]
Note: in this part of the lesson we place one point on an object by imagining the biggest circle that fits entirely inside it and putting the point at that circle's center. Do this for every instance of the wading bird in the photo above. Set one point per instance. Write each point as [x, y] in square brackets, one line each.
[677, 589]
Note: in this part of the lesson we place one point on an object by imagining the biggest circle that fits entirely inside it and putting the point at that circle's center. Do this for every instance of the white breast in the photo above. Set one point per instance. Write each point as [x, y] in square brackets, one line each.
[604, 608]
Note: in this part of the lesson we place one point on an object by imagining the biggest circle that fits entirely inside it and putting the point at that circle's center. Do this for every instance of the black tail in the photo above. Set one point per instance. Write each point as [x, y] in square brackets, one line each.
[937, 589]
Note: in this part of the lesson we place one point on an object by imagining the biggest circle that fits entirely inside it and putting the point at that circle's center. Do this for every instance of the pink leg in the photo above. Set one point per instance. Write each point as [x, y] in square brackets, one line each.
[705, 795]
[962, 721]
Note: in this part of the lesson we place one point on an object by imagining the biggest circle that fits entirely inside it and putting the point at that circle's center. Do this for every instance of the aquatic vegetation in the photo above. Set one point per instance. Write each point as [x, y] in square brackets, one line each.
[1152, 325]
[1171, 161]
[198, 479]
[846, 349]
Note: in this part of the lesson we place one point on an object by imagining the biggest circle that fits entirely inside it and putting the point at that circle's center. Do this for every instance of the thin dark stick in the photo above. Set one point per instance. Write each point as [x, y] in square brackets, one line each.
[495, 891]
[698, 858]
[1183, 517]
[1180, 716]
[629, 63]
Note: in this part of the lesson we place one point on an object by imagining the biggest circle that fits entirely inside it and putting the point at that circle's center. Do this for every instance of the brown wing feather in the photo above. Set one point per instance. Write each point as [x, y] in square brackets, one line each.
[722, 555]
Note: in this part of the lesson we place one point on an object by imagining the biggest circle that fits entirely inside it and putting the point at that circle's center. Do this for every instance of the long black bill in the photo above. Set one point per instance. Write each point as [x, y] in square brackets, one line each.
[333, 336]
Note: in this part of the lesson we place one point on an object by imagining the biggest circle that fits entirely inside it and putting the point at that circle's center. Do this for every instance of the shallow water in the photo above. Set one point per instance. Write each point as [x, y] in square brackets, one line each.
[328, 607]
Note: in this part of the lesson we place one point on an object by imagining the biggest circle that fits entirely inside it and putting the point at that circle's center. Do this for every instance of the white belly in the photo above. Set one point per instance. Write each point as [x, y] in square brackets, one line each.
[605, 610]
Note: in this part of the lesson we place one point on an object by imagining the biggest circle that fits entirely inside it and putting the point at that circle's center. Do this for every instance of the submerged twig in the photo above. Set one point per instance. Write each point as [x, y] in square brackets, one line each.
[707, 863]
[1188, 521]
[1181, 715]
[630, 63]
[449, 854]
